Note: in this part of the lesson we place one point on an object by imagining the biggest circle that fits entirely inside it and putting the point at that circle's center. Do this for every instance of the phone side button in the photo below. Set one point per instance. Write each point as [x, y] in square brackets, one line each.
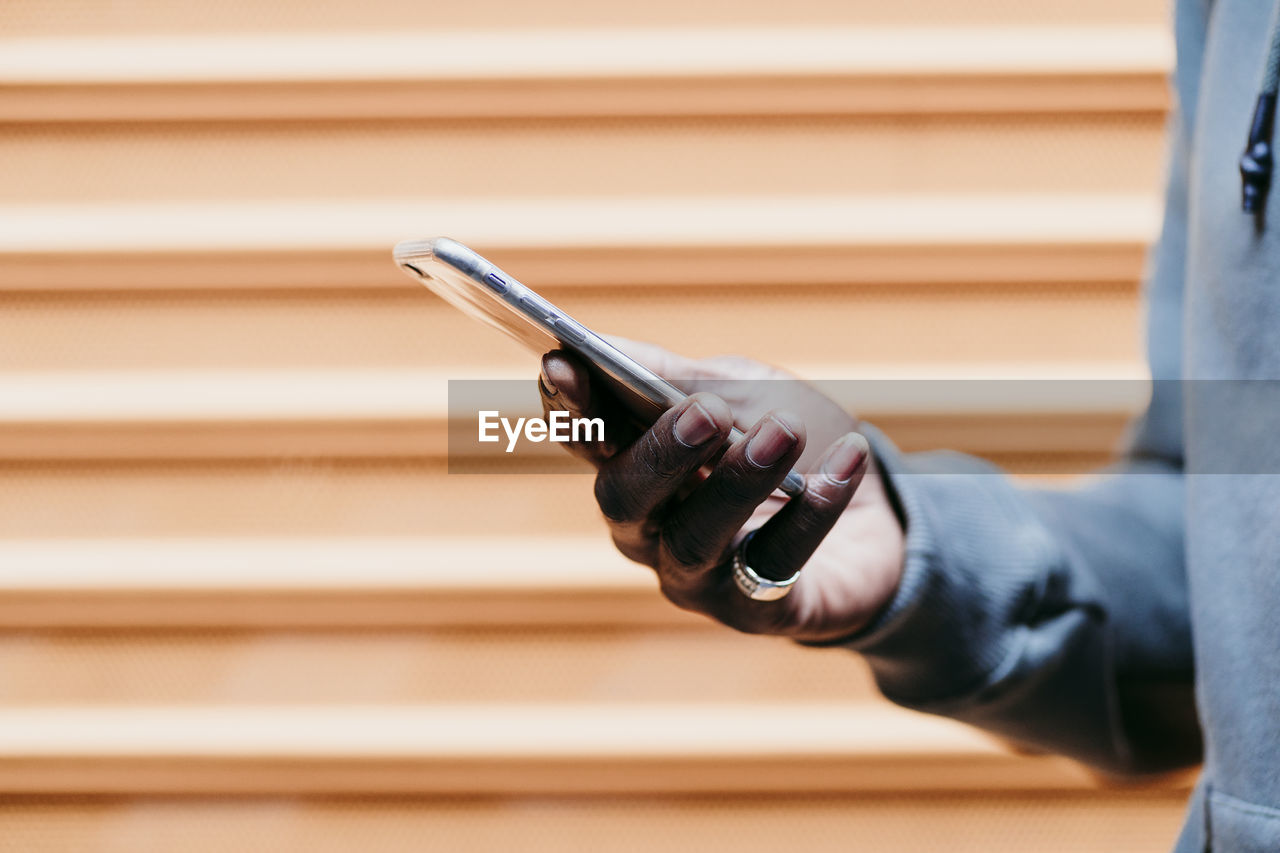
[571, 330]
[532, 307]
[498, 283]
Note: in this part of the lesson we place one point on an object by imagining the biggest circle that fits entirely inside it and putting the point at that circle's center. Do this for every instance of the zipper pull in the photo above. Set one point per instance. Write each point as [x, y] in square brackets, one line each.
[1256, 162]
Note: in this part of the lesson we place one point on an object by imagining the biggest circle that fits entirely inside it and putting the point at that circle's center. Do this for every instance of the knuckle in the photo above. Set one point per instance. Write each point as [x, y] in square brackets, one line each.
[682, 551]
[680, 596]
[657, 457]
[761, 618]
[822, 500]
[614, 500]
[804, 527]
[685, 549]
[739, 486]
[636, 552]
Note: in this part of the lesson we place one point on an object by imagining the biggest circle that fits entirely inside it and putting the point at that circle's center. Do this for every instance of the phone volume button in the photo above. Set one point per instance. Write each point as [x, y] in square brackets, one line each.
[534, 307]
[570, 330]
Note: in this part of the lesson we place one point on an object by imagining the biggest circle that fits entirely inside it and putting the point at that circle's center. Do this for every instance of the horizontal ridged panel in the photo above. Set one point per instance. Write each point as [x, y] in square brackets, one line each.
[579, 158]
[459, 749]
[62, 17]
[251, 574]
[593, 243]
[298, 496]
[1101, 822]
[568, 662]
[722, 71]
[342, 414]
[846, 330]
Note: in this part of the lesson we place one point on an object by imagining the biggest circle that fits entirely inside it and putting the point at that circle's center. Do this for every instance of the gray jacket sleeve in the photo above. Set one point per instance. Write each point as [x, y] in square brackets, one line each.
[1056, 618]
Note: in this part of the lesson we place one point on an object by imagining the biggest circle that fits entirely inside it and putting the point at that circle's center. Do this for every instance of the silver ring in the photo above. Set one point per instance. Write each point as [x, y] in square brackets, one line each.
[751, 584]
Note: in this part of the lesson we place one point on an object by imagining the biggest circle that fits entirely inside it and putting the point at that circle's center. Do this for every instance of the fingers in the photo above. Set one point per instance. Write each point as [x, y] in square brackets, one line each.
[698, 533]
[652, 466]
[663, 511]
[632, 485]
[782, 546]
[564, 384]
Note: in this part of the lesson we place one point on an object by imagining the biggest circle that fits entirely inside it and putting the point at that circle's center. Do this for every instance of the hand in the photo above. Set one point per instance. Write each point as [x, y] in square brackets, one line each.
[663, 512]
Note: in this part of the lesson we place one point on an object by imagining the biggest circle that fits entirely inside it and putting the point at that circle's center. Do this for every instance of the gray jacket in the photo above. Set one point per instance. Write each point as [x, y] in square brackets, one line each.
[1118, 621]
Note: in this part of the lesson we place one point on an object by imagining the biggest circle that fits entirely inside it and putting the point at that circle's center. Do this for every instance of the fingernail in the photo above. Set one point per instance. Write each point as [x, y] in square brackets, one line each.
[770, 443]
[548, 387]
[695, 426]
[845, 458]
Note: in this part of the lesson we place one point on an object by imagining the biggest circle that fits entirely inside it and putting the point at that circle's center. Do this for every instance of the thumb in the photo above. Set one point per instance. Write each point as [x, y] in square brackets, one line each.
[689, 374]
[661, 361]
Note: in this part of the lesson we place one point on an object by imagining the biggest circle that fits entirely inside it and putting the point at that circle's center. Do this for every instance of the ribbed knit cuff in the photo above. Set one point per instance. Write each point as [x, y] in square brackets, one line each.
[977, 563]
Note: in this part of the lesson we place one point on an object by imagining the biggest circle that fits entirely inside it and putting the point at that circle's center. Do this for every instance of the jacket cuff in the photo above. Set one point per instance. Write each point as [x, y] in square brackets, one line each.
[974, 575]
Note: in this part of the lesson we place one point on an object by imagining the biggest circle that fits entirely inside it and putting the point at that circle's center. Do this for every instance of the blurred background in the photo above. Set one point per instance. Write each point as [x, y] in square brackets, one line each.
[243, 605]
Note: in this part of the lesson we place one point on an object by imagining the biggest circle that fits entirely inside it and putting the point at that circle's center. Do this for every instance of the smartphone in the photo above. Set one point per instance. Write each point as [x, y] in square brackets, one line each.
[477, 287]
